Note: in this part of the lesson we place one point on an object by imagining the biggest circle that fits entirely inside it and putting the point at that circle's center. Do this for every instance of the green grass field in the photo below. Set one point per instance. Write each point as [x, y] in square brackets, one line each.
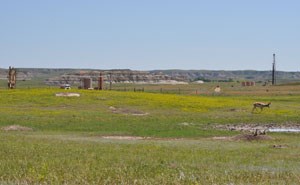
[66, 144]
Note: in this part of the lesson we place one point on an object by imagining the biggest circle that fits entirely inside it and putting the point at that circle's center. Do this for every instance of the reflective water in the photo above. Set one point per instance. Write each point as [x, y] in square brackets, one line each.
[284, 130]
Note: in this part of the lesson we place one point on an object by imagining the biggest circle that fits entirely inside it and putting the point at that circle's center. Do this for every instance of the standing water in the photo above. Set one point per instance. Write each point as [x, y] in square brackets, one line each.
[284, 130]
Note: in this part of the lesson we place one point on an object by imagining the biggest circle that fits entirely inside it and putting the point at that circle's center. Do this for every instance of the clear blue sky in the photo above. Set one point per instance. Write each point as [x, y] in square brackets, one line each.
[150, 34]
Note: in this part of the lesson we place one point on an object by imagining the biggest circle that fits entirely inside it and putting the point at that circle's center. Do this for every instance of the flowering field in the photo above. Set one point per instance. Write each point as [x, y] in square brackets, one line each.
[171, 138]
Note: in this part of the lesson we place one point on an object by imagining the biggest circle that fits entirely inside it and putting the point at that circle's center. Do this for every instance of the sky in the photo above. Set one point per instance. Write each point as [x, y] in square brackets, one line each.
[150, 34]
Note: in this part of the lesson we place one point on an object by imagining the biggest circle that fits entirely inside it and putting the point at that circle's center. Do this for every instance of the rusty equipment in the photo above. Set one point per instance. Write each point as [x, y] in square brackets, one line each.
[86, 83]
[100, 82]
[12, 78]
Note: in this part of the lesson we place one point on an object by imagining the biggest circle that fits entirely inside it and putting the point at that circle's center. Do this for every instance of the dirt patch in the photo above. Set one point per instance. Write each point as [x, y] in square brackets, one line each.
[244, 137]
[67, 94]
[186, 124]
[242, 127]
[279, 146]
[124, 137]
[237, 110]
[141, 138]
[127, 111]
[222, 138]
[16, 128]
[249, 137]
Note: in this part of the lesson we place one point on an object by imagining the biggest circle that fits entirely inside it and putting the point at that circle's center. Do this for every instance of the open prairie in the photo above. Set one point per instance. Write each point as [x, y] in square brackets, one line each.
[180, 136]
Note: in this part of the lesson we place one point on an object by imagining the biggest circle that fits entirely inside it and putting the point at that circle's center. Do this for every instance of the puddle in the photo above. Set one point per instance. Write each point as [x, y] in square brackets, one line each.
[283, 130]
[292, 128]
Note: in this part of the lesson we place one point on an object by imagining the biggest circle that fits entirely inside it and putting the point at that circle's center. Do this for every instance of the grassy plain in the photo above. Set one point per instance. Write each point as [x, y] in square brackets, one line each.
[66, 145]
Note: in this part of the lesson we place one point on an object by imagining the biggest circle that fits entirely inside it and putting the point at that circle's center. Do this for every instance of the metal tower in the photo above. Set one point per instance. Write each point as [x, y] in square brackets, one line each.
[274, 71]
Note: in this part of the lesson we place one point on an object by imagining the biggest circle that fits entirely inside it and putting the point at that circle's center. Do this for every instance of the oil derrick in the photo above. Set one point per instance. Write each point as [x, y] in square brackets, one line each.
[100, 82]
[12, 78]
[274, 71]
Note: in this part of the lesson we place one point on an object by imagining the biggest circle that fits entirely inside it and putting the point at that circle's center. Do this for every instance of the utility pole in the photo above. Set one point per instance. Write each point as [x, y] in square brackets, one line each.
[110, 81]
[274, 71]
[100, 82]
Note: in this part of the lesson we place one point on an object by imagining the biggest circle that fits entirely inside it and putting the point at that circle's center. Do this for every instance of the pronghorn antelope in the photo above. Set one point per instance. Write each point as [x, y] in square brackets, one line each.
[260, 105]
